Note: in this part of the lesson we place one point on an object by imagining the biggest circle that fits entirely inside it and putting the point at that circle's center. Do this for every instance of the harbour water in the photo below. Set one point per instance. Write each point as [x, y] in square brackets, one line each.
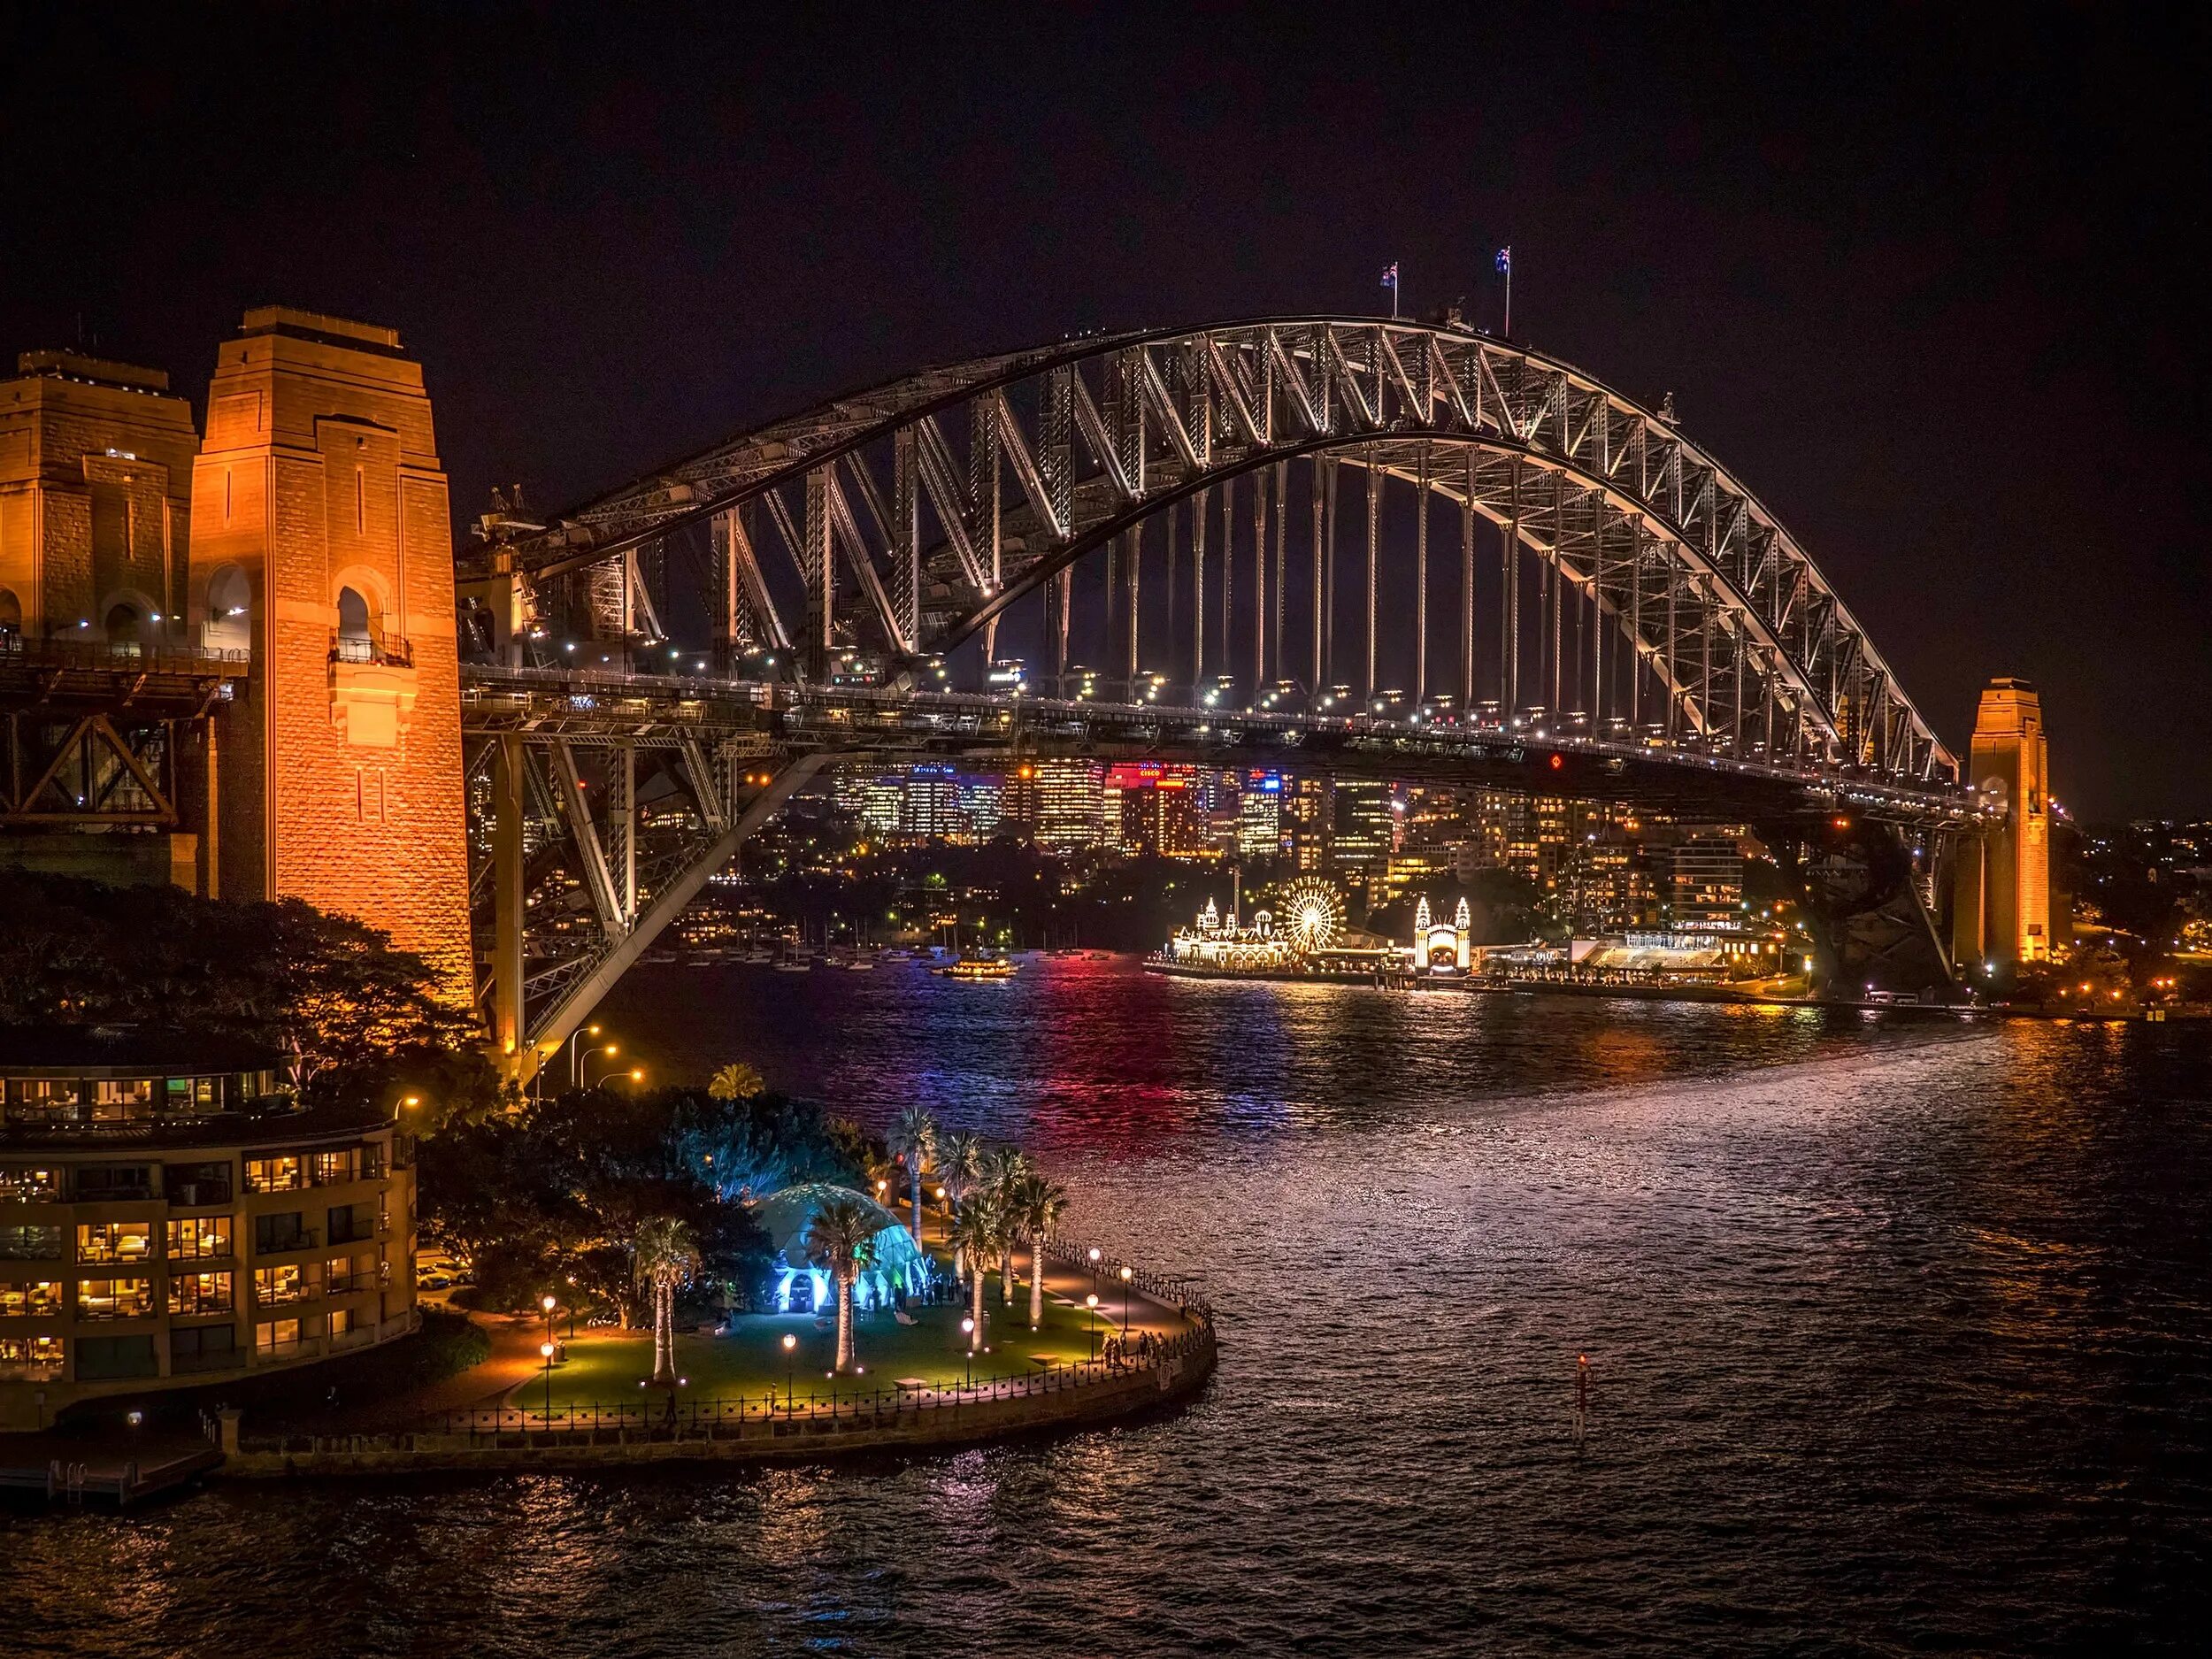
[1899, 1340]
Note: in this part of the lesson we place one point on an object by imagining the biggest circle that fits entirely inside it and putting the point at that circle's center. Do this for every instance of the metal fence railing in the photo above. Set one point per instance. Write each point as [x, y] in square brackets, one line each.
[884, 1407]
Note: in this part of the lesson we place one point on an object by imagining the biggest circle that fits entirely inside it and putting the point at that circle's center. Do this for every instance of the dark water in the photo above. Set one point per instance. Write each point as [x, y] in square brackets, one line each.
[1899, 1337]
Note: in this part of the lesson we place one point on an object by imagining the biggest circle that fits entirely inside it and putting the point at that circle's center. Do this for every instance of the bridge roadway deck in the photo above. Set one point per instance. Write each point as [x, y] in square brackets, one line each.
[581, 705]
[91, 677]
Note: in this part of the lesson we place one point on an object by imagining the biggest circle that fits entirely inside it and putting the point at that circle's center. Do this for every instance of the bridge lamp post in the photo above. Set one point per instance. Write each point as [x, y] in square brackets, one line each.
[587, 1031]
[634, 1075]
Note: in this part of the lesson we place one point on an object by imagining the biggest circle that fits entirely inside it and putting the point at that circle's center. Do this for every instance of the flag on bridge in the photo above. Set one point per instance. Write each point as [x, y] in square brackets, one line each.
[1505, 262]
[1390, 281]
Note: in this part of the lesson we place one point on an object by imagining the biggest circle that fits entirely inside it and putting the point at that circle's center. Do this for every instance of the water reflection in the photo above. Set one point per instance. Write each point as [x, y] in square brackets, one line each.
[1899, 1334]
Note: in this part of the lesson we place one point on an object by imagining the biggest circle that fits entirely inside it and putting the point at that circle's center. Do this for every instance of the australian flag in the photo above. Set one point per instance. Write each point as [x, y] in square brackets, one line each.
[1505, 261]
[1390, 276]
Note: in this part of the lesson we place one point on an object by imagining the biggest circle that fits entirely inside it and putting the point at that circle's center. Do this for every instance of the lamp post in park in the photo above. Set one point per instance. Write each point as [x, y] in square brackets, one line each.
[967, 1329]
[790, 1371]
[546, 1349]
[1091, 1301]
[1127, 1273]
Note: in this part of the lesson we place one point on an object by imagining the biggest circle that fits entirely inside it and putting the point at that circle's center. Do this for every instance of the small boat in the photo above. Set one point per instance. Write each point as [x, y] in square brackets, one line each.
[981, 966]
[794, 959]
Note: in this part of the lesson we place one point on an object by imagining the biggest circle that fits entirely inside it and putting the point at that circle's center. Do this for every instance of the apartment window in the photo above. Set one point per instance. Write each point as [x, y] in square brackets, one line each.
[42, 1100]
[30, 1358]
[343, 1321]
[196, 1185]
[200, 1292]
[192, 1096]
[289, 1231]
[351, 1223]
[122, 1101]
[277, 1287]
[39, 1299]
[115, 1241]
[29, 1184]
[104, 1356]
[30, 1244]
[332, 1168]
[197, 1238]
[115, 1298]
[276, 1174]
[203, 1348]
[276, 1338]
[344, 1274]
[109, 1183]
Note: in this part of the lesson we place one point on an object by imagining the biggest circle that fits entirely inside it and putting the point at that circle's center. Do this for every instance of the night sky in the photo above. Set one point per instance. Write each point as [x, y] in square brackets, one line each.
[1932, 285]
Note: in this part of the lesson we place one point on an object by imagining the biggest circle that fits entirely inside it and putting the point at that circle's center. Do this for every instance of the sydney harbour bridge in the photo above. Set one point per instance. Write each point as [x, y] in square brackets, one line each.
[1346, 545]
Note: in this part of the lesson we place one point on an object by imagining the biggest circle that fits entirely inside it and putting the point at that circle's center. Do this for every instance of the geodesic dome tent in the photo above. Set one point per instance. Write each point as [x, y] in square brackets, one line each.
[894, 1262]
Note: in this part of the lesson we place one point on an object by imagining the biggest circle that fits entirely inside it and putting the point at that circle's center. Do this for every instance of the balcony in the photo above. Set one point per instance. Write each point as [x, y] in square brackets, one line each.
[274, 1244]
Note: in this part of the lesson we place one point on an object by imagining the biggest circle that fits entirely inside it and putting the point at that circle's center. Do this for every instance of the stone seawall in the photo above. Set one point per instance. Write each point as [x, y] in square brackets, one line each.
[929, 1424]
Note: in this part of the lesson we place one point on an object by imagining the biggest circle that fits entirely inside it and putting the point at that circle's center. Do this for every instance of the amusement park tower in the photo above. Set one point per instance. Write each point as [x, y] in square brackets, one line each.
[2001, 910]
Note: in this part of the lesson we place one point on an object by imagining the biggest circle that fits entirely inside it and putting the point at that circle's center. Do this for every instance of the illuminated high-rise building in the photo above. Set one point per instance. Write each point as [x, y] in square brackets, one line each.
[2001, 905]
[1260, 816]
[1070, 804]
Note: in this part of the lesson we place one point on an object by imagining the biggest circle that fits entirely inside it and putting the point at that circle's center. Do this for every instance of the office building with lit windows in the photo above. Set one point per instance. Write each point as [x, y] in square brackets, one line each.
[170, 1219]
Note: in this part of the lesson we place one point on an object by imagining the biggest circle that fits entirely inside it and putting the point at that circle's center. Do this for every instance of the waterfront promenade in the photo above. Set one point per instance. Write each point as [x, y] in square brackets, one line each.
[488, 1417]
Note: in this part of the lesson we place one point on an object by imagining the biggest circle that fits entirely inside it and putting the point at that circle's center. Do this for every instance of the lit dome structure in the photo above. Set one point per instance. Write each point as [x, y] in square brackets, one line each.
[894, 1263]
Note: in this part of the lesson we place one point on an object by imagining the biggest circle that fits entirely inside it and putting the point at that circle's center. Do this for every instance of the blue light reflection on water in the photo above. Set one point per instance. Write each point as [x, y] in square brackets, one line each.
[1899, 1333]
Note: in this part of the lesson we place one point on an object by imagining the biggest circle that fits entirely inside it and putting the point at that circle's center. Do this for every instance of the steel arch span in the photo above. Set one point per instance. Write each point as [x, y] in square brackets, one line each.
[1393, 545]
[1634, 580]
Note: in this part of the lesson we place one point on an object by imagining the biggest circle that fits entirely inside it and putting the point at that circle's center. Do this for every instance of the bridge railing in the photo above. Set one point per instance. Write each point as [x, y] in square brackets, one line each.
[17, 651]
[894, 705]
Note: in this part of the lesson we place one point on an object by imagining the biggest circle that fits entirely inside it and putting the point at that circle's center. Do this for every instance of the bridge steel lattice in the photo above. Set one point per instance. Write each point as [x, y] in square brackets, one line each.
[1406, 534]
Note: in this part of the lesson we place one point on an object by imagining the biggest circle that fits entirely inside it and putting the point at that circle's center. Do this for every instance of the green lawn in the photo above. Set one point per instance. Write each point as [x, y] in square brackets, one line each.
[605, 1368]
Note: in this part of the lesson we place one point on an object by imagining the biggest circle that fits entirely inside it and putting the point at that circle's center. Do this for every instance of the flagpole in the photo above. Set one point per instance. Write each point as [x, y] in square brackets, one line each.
[1509, 299]
[1395, 280]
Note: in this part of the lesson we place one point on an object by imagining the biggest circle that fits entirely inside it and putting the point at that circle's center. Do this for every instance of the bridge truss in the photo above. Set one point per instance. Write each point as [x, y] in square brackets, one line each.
[1404, 544]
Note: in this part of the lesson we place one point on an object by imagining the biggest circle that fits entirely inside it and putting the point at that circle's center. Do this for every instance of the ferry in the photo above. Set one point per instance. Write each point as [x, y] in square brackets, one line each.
[978, 967]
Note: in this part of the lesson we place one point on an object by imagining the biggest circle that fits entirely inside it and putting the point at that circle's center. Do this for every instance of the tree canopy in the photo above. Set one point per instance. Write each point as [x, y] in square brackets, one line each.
[356, 1019]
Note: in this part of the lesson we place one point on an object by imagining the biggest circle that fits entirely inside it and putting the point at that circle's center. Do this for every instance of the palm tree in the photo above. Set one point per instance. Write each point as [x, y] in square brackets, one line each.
[1038, 1205]
[977, 1225]
[664, 1254]
[1003, 1173]
[841, 1238]
[959, 1163]
[736, 1081]
[914, 1138]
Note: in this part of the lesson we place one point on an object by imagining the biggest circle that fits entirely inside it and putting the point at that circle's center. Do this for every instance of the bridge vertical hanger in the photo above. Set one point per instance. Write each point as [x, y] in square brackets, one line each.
[1467, 595]
[1320, 588]
[1134, 551]
[818, 566]
[1259, 582]
[1282, 532]
[1510, 596]
[1374, 551]
[1198, 502]
[1421, 581]
[1229, 575]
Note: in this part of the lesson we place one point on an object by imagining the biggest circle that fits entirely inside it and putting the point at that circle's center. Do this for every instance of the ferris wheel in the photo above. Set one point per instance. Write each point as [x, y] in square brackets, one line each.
[1311, 912]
